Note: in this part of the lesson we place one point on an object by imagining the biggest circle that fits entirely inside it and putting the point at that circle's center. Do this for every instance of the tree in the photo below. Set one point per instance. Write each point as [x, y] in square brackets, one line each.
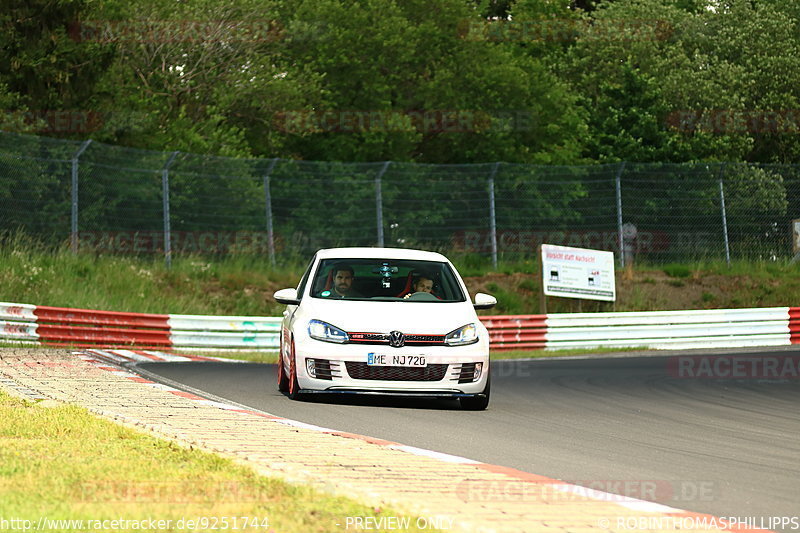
[200, 77]
[402, 81]
[44, 70]
[704, 73]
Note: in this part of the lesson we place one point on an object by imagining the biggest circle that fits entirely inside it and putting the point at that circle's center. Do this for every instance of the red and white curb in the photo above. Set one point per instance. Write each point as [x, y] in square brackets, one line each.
[99, 358]
[153, 356]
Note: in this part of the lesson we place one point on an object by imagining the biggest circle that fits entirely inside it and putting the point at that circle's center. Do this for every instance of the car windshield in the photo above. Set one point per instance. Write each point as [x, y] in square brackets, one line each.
[400, 280]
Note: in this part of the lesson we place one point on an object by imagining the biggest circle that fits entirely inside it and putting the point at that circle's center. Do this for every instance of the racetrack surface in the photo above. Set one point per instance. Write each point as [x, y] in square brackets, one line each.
[629, 425]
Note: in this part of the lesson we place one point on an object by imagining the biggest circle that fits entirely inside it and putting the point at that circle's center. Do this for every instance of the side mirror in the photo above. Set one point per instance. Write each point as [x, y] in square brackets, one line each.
[484, 301]
[286, 297]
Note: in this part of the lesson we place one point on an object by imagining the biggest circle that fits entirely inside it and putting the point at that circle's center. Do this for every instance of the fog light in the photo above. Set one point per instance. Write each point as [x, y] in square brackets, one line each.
[311, 368]
[478, 368]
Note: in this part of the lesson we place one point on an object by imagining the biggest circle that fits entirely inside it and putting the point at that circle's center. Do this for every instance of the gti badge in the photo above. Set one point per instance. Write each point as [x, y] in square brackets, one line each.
[397, 339]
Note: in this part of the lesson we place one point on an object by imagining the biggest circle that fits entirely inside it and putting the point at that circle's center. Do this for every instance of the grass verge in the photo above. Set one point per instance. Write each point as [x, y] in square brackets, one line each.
[244, 284]
[537, 354]
[64, 463]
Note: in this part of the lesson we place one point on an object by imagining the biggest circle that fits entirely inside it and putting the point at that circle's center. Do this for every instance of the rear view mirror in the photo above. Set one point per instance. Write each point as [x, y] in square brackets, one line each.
[286, 297]
[484, 301]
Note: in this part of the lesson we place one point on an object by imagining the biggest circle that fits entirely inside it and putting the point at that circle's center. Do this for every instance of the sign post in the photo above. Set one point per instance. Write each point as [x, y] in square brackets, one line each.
[576, 273]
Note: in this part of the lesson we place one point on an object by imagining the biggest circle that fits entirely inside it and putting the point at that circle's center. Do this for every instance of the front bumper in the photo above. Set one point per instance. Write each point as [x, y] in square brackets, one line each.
[342, 368]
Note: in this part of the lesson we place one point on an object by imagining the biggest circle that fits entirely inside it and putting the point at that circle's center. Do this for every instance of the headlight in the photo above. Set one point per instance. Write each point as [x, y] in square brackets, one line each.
[322, 331]
[464, 335]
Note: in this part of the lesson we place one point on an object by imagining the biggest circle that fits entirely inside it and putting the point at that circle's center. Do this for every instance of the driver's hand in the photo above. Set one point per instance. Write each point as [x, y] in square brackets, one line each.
[407, 296]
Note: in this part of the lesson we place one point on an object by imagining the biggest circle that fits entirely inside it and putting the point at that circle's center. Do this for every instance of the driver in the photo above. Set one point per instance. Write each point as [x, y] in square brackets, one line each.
[343, 282]
[422, 283]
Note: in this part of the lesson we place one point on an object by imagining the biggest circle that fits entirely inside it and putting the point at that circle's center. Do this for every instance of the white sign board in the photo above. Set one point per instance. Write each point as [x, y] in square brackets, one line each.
[578, 273]
[796, 235]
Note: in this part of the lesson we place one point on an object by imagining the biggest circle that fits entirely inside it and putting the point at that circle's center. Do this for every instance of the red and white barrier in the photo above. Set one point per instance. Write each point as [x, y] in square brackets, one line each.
[714, 328]
[87, 328]
[516, 332]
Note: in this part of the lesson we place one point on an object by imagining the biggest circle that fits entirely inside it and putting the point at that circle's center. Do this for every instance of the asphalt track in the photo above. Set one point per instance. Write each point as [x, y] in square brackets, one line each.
[629, 425]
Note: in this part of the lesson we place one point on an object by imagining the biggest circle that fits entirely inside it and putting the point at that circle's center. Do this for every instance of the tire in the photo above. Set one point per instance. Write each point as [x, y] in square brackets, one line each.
[477, 403]
[294, 387]
[283, 379]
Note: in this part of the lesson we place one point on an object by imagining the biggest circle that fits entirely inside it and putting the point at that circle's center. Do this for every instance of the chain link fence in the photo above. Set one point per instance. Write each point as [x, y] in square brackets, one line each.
[95, 197]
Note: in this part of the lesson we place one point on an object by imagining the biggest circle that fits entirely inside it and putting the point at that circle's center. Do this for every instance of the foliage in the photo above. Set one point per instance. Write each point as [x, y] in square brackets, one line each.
[525, 81]
[43, 67]
[756, 203]
[666, 83]
[534, 84]
[426, 88]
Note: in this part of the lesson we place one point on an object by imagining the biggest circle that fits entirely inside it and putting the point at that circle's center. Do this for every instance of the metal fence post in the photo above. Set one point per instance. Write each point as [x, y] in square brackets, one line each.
[165, 198]
[492, 215]
[379, 202]
[724, 215]
[268, 204]
[619, 213]
[73, 236]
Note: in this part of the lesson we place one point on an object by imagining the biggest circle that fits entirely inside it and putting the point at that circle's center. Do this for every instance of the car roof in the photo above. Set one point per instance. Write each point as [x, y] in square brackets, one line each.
[380, 253]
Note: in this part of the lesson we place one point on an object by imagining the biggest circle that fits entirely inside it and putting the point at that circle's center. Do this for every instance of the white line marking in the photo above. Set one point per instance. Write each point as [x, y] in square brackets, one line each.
[435, 455]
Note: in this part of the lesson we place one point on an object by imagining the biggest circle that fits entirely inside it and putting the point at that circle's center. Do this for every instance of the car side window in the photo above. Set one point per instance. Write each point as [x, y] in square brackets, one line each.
[302, 286]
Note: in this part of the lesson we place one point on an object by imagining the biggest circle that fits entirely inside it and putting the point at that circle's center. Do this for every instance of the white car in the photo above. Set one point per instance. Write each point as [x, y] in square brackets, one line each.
[384, 321]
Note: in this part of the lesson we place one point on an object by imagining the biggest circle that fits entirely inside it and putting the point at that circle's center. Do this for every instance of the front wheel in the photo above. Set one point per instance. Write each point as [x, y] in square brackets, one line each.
[477, 403]
[294, 387]
[283, 379]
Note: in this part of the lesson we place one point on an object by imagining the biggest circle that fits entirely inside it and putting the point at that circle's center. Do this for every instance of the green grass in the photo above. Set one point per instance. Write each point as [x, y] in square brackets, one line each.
[244, 284]
[63, 462]
[236, 286]
[536, 354]
[677, 270]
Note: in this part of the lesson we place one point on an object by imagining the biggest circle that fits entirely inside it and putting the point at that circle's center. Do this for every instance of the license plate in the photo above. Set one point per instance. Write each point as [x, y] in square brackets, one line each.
[379, 359]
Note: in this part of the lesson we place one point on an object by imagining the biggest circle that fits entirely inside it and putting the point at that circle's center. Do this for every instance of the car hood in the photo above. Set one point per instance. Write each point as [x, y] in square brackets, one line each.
[432, 318]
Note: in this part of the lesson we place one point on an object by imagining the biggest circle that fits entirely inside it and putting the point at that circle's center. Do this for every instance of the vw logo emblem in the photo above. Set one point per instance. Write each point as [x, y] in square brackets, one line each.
[397, 339]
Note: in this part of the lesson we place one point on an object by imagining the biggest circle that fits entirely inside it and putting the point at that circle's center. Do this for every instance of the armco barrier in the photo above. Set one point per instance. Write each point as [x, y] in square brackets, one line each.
[517, 332]
[85, 328]
[714, 328]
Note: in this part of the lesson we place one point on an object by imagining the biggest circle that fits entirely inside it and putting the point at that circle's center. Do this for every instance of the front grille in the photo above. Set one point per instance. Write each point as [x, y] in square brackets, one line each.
[383, 338]
[467, 374]
[395, 373]
[326, 369]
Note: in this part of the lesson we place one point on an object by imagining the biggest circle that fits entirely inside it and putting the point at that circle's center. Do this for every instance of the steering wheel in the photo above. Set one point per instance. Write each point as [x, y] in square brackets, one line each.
[422, 296]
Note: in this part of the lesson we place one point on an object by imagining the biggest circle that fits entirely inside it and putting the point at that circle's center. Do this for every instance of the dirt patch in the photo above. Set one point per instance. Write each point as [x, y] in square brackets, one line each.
[645, 290]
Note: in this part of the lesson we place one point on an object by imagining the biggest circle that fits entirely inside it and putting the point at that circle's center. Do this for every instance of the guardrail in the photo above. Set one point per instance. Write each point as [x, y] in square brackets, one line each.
[86, 328]
[712, 328]
[715, 328]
